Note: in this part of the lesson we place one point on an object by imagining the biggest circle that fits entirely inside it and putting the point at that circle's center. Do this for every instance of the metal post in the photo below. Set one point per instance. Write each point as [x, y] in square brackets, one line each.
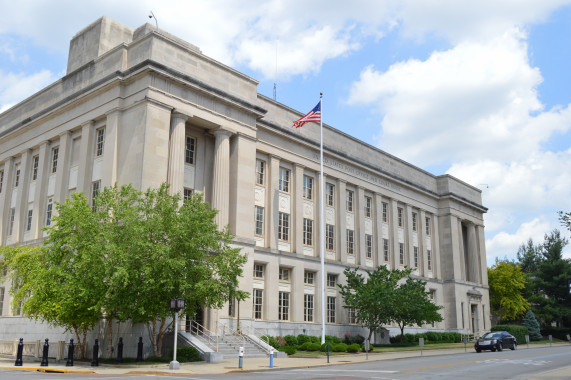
[421, 344]
[174, 364]
[550, 340]
[241, 358]
[120, 351]
[44, 362]
[367, 346]
[465, 343]
[271, 358]
[70, 354]
[140, 349]
[95, 361]
[20, 351]
[527, 340]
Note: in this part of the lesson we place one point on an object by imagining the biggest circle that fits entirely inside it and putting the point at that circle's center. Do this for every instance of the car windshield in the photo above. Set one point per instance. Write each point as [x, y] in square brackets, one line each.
[491, 335]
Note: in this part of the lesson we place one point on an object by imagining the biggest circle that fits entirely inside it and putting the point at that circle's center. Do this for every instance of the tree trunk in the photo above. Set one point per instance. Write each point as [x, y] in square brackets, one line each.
[154, 337]
[162, 331]
[83, 346]
[401, 333]
[371, 331]
[110, 337]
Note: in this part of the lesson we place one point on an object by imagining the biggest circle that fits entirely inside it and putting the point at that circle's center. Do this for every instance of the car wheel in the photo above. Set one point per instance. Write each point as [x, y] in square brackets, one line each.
[493, 350]
[478, 350]
[500, 346]
[514, 346]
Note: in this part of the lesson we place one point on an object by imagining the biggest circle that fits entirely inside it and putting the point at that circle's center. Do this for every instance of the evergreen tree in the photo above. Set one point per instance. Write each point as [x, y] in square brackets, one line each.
[532, 325]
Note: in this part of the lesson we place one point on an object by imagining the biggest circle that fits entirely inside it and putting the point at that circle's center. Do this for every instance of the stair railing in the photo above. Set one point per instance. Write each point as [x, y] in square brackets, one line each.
[199, 330]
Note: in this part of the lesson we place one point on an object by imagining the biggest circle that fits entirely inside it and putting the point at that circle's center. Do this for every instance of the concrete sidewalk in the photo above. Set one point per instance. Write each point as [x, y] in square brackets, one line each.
[227, 366]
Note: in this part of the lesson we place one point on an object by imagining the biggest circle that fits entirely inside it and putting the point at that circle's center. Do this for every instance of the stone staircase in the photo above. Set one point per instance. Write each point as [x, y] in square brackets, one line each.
[229, 346]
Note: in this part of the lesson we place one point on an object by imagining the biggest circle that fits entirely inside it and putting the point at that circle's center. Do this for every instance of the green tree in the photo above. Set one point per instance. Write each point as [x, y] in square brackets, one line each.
[413, 306]
[532, 325]
[372, 296]
[507, 282]
[124, 259]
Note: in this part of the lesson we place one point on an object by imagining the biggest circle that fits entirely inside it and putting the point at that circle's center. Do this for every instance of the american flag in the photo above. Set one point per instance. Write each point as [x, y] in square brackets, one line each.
[313, 115]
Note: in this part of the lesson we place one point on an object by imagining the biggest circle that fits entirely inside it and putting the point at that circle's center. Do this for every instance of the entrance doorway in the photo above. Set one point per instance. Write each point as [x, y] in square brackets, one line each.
[474, 310]
[195, 324]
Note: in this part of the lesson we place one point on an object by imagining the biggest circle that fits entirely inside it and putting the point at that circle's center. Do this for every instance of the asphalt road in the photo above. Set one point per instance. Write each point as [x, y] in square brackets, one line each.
[534, 363]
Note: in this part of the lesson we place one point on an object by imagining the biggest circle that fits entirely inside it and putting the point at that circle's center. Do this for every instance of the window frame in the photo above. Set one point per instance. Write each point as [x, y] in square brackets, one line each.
[282, 276]
[35, 165]
[429, 259]
[284, 179]
[385, 212]
[331, 309]
[427, 225]
[260, 172]
[189, 150]
[415, 256]
[308, 232]
[49, 211]
[283, 306]
[29, 219]
[400, 216]
[99, 141]
[309, 278]
[259, 221]
[350, 235]
[401, 253]
[330, 195]
[414, 221]
[369, 246]
[308, 307]
[307, 187]
[330, 237]
[283, 226]
[258, 304]
[349, 200]
[11, 221]
[331, 280]
[368, 206]
[386, 250]
[55, 156]
[259, 268]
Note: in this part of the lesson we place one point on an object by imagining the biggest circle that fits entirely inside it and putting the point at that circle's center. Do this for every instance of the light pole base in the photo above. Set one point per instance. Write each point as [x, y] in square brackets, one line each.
[174, 365]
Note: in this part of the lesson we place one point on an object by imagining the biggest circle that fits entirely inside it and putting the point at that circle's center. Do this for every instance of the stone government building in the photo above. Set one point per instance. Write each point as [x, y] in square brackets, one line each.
[144, 107]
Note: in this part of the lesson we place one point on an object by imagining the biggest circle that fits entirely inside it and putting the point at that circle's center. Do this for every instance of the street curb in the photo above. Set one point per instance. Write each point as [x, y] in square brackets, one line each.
[48, 370]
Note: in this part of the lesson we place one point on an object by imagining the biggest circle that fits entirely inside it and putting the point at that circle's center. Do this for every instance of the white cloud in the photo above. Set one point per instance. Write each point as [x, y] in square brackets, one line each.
[16, 87]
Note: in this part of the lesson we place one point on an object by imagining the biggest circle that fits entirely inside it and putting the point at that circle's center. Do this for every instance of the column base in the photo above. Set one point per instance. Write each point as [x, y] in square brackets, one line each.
[174, 365]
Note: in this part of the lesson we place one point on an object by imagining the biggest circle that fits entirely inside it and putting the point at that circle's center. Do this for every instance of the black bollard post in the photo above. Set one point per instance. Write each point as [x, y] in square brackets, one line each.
[44, 362]
[20, 351]
[95, 361]
[120, 351]
[70, 354]
[140, 350]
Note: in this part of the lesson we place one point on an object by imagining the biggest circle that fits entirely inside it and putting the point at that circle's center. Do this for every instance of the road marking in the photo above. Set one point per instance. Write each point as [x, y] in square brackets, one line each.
[509, 361]
[344, 370]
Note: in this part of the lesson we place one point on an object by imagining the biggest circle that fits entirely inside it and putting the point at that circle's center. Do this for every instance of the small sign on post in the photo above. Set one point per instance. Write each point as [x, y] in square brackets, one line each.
[550, 340]
[465, 338]
[527, 340]
[569, 338]
[367, 346]
[421, 344]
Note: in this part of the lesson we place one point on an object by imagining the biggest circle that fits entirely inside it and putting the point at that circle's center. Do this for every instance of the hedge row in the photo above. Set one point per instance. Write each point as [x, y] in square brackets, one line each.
[516, 330]
[556, 332]
[429, 337]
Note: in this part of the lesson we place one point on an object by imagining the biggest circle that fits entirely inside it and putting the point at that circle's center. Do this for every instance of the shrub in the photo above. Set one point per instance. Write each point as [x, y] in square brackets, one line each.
[290, 340]
[353, 348]
[433, 336]
[359, 339]
[348, 339]
[272, 341]
[370, 348]
[281, 340]
[532, 326]
[323, 347]
[305, 346]
[301, 339]
[340, 347]
[314, 339]
[518, 331]
[290, 350]
[313, 347]
[332, 339]
[410, 338]
[187, 354]
[556, 332]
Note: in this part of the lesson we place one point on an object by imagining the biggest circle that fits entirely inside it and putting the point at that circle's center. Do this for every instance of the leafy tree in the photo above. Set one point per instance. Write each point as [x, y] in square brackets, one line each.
[507, 281]
[532, 325]
[565, 219]
[379, 299]
[124, 259]
[412, 306]
[372, 297]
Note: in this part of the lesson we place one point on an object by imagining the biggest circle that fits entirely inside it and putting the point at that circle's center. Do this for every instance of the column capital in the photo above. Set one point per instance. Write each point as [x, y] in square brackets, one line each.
[180, 115]
[89, 123]
[113, 111]
[223, 131]
[65, 133]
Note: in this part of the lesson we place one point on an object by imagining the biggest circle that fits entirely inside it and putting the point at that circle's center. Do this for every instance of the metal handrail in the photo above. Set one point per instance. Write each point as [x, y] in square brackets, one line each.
[240, 334]
[198, 329]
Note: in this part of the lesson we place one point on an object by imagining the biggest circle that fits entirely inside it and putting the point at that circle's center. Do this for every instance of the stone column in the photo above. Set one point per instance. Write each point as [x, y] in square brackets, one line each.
[272, 206]
[20, 219]
[359, 211]
[474, 261]
[221, 182]
[482, 255]
[394, 233]
[6, 198]
[242, 195]
[41, 190]
[86, 162]
[62, 174]
[177, 141]
[462, 251]
[377, 217]
[109, 169]
[341, 226]
[297, 211]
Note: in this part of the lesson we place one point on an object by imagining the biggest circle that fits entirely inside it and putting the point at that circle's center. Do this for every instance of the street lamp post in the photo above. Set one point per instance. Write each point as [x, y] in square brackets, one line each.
[177, 304]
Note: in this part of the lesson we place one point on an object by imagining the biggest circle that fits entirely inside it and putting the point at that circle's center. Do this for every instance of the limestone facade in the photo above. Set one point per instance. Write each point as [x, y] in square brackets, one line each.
[144, 107]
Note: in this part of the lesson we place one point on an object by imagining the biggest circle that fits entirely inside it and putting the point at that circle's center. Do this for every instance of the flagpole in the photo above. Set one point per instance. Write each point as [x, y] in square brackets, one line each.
[322, 220]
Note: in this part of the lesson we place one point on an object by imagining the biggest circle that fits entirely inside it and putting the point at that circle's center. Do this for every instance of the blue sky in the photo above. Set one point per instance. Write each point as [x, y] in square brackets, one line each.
[476, 89]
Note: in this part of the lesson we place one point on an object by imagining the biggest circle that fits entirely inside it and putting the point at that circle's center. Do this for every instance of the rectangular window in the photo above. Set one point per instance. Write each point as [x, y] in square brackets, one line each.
[329, 237]
[330, 309]
[400, 216]
[414, 221]
[17, 179]
[187, 194]
[368, 206]
[307, 232]
[308, 278]
[401, 253]
[329, 194]
[11, 224]
[283, 307]
[94, 193]
[350, 242]
[190, 150]
[386, 249]
[260, 172]
[385, 212]
[35, 163]
[99, 142]
[283, 227]
[29, 220]
[307, 187]
[429, 259]
[259, 221]
[308, 307]
[331, 280]
[415, 254]
[369, 245]
[259, 271]
[284, 180]
[1, 180]
[257, 299]
[285, 274]
[49, 211]
[427, 221]
[352, 314]
[1, 300]
[349, 201]
[55, 153]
